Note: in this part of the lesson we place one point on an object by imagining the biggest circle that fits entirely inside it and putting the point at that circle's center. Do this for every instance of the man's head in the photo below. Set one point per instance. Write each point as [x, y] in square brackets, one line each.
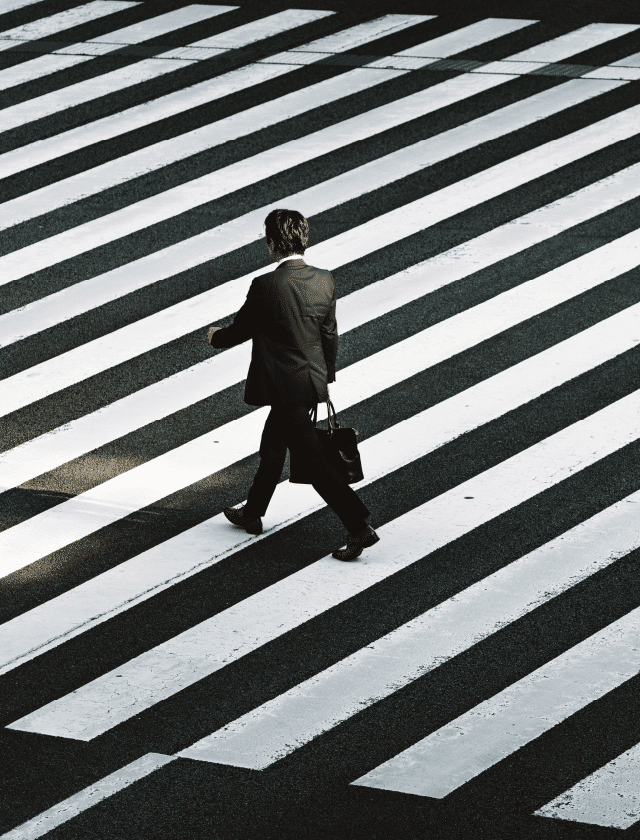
[287, 233]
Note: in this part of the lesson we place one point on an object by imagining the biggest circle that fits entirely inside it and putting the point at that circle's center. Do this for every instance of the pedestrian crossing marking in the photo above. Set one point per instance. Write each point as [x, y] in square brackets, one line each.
[134, 34]
[90, 89]
[13, 5]
[197, 653]
[608, 797]
[189, 386]
[61, 21]
[118, 497]
[351, 130]
[493, 730]
[100, 704]
[443, 340]
[366, 178]
[128, 120]
[87, 798]
[282, 725]
[95, 356]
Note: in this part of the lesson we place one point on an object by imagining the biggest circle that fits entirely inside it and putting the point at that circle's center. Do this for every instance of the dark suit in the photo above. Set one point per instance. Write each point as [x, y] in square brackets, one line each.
[290, 314]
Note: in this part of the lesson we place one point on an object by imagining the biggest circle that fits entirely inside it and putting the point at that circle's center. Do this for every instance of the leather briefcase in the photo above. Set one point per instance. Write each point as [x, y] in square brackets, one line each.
[340, 448]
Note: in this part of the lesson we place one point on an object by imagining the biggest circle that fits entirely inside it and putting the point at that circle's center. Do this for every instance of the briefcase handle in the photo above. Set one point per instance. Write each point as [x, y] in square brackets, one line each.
[333, 424]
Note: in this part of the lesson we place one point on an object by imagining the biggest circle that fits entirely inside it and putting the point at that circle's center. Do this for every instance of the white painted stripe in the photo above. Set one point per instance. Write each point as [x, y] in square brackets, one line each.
[495, 729]
[49, 148]
[266, 27]
[12, 5]
[609, 797]
[168, 151]
[43, 150]
[72, 95]
[160, 25]
[63, 370]
[630, 61]
[143, 485]
[248, 33]
[363, 33]
[80, 297]
[467, 37]
[85, 91]
[62, 20]
[54, 448]
[241, 36]
[575, 42]
[117, 590]
[151, 28]
[87, 798]
[27, 71]
[629, 73]
[200, 651]
[282, 725]
[566, 45]
[161, 154]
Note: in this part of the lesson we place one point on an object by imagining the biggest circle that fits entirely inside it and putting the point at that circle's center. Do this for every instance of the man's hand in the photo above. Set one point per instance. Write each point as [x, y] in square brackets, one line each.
[211, 332]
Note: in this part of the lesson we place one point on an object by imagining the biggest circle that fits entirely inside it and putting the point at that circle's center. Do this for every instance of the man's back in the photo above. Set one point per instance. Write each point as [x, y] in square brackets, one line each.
[295, 343]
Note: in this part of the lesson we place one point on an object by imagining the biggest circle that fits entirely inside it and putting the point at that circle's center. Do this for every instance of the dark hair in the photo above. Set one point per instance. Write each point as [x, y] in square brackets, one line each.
[288, 230]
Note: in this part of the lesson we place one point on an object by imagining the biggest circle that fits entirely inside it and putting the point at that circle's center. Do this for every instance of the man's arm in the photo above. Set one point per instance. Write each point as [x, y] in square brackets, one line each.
[244, 324]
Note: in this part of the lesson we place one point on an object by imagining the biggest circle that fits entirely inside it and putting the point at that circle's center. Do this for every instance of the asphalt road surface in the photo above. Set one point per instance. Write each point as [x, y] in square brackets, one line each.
[471, 173]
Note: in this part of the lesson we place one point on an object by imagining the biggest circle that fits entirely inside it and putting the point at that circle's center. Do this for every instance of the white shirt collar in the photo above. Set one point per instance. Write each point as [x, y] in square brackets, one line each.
[292, 257]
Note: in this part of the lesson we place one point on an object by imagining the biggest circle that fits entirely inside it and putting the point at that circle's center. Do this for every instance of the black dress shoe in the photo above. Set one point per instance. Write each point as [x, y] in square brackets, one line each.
[355, 544]
[236, 515]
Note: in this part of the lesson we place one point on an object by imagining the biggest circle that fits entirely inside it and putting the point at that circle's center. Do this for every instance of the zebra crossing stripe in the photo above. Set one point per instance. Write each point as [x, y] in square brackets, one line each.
[150, 158]
[89, 89]
[98, 355]
[370, 176]
[362, 33]
[561, 47]
[257, 30]
[282, 725]
[13, 5]
[466, 38]
[87, 798]
[60, 21]
[630, 61]
[200, 651]
[162, 24]
[236, 125]
[52, 449]
[565, 46]
[609, 797]
[264, 735]
[143, 485]
[629, 73]
[44, 65]
[114, 591]
[493, 730]
[260, 116]
[585, 549]
[134, 34]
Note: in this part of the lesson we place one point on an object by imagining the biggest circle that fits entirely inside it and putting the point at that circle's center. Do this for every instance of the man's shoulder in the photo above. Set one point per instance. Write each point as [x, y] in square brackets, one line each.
[317, 270]
[261, 278]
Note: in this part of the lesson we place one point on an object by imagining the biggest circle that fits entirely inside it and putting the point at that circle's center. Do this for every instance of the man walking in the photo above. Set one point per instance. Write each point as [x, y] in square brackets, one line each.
[290, 314]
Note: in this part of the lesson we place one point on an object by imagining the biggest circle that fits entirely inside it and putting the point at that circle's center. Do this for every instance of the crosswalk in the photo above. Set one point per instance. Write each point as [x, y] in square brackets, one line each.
[473, 185]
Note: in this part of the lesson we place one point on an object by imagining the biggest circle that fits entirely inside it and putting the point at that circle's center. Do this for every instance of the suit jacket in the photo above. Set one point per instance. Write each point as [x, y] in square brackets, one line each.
[290, 314]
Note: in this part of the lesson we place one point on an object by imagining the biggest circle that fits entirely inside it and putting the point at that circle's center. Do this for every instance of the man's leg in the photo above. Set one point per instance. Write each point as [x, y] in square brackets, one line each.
[273, 451]
[304, 445]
